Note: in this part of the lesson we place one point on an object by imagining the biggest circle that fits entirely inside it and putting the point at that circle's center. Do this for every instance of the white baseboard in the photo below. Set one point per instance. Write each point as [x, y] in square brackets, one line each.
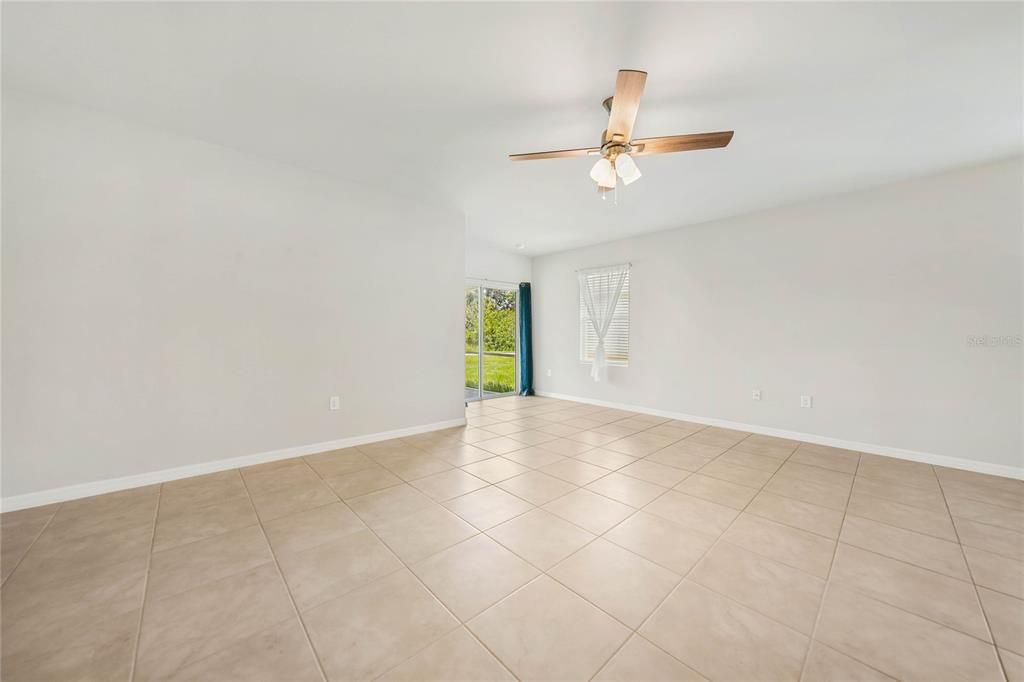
[884, 450]
[73, 492]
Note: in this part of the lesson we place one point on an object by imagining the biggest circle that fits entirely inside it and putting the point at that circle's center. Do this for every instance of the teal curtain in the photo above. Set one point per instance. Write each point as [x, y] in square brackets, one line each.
[525, 369]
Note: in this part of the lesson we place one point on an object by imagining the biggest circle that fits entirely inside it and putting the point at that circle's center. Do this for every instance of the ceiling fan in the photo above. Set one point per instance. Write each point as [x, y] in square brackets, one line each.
[617, 144]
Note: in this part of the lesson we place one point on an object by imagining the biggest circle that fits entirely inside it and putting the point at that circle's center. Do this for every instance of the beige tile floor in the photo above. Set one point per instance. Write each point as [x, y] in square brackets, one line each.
[546, 540]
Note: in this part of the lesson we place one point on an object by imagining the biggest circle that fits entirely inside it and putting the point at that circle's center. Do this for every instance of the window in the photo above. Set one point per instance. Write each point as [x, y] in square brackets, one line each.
[616, 343]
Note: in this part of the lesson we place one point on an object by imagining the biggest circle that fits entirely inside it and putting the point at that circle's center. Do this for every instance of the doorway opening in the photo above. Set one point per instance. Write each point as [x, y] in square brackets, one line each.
[491, 341]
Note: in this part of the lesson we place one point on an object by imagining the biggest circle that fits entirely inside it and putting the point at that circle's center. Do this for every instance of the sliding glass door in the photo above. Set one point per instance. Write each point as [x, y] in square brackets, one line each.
[490, 341]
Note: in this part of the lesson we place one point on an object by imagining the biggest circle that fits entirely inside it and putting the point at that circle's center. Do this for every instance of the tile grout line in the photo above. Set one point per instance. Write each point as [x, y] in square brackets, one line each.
[675, 488]
[893, 606]
[977, 593]
[415, 577]
[990, 503]
[835, 540]
[545, 572]
[675, 588]
[839, 541]
[32, 544]
[970, 579]
[609, 471]
[280, 573]
[908, 530]
[828, 582]
[637, 510]
[992, 552]
[145, 585]
[542, 572]
[689, 473]
[419, 446]
[987, 524]
[906, 562]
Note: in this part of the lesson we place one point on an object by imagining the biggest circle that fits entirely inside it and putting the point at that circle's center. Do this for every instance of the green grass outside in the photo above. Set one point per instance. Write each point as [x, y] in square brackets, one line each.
[499, 372]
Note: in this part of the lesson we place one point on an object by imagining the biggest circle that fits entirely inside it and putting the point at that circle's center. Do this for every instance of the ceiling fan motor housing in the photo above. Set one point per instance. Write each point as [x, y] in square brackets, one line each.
[613, 149]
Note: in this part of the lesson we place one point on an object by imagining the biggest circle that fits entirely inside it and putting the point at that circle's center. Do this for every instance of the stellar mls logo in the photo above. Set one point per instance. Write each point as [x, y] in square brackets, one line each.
[987, 341]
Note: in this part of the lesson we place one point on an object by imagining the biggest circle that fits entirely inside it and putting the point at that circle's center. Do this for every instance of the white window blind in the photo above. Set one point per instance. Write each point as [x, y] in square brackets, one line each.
[616, 344]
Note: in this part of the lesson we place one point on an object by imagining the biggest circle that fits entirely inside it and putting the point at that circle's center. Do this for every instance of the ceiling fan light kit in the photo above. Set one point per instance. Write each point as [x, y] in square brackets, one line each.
[617, 144]
[603, 173]
[626, 167]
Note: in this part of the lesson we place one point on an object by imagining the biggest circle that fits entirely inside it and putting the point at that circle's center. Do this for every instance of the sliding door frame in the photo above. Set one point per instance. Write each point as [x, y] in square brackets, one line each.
[480, 285]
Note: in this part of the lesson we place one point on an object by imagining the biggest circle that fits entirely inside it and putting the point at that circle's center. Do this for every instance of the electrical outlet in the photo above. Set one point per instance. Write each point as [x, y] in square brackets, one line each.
[335, 402]
[756, 395]
[806, 401]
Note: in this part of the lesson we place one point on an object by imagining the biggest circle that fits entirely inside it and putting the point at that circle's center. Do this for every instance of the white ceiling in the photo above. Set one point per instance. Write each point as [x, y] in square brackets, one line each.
[824, 97]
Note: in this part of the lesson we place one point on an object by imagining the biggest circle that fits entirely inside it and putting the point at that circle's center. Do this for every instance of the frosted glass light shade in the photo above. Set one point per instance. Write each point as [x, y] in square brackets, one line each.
[626, 168]
[603, 173]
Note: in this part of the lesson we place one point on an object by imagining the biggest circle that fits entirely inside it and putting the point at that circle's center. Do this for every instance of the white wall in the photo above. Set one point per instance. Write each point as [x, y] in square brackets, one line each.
[865, 301]
[168, 302]
[484, 261]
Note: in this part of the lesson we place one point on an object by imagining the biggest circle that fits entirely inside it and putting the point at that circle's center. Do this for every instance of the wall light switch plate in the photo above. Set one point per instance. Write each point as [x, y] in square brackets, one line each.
[549, 372]
[335, 402]
[806, 401]
[756, 395]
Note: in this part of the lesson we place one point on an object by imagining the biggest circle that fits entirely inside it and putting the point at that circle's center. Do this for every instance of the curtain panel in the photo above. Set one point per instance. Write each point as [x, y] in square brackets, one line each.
[600, 289]
[525, 369]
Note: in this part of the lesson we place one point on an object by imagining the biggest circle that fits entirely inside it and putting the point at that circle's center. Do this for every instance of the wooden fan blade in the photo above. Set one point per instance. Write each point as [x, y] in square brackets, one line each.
[560, 154]
[680, 143]
[628, 87]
